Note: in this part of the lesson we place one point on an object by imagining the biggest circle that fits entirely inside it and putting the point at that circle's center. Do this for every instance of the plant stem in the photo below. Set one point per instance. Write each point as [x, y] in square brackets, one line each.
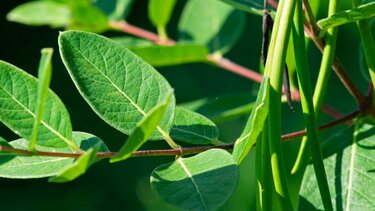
[368, 44]
[274, 69]
[221, 62]
[308, 106]
[170, 152]
[322, 81]
[264, 183]
[313, 31]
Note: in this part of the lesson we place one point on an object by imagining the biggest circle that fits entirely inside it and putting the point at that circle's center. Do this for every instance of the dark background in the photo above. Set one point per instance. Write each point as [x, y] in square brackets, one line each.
[125, 185]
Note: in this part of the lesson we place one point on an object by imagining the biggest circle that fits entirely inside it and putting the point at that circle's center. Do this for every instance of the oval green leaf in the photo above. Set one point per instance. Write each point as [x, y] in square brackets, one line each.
[191, 127]
[39, 13]
[160, 11]
[350, 171]
[202, 182]
[78, 168]
[115, 9]
[142, 131]
[212, 27]
[349, 16]
[18, 101]
[118, 85]
[254, 125]
[88, 18]
[40, 166]
[157, 55]
[253, 7]
[132, 42]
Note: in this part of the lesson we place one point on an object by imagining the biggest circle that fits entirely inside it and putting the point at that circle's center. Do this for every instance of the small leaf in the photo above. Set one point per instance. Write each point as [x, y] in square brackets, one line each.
[160, 11]
[18, 99]
[39, 13]
[254, 125]
[44, 79]
[213, 27]
[143, 130]
[364, 11]
[115, 9]
[193, 128]
[41, 166]
[253, 7]
[119, 86]
[201, 182]
[350, 171]
[78, 168]
[172, 55]
[224, 107]
[88, 18]
[132, 42]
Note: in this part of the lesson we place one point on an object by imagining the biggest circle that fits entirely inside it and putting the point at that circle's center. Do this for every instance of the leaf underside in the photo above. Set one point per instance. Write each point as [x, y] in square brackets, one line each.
[118, 85]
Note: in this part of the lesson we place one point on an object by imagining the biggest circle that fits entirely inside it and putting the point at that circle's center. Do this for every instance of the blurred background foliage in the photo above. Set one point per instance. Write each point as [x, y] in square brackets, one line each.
[125, 185]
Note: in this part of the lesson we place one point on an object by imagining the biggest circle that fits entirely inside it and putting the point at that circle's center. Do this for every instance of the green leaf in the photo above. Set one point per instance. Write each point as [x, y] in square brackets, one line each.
[350, 171]
[202, 182]
[88, 18]
[224, 107]
[348, 16]
[159, 12]
[119, 86]
[254, 125]
[41, 166]
[193, 128]
[172, 55]
[78, 168]
[211, 23]
[39, 13]
[18, 100]
[253, 7]
[115, 9]
[132, 42]
[143, 130]
[44, 79]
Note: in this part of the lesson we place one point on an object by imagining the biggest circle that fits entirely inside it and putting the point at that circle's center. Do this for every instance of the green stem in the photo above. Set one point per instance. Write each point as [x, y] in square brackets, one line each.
[321, 85]
[263, 173]
[367, 38]
[162, 33]
[274, 69]
[308, 106]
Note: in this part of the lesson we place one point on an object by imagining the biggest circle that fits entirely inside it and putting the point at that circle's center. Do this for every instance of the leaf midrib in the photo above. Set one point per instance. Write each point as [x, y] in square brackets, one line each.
[108, 79]
[188, 173]
[33, 115]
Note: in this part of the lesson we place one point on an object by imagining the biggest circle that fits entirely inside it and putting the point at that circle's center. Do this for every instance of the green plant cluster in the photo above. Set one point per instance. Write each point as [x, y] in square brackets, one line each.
[116, 76]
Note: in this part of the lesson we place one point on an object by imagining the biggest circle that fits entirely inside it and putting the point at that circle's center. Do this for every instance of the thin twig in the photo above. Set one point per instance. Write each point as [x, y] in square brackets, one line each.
[170, 152]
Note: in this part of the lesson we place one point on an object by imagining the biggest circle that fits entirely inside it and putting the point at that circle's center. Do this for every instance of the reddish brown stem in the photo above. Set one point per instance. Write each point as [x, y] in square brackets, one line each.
[170, 152]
